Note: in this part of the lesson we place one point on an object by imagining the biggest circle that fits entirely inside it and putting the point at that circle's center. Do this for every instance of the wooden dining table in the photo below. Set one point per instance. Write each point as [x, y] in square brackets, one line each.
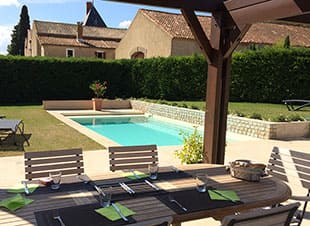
[81, 199]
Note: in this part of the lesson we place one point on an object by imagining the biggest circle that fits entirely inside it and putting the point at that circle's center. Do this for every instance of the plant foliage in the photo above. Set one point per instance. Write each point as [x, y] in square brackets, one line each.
[192, 151]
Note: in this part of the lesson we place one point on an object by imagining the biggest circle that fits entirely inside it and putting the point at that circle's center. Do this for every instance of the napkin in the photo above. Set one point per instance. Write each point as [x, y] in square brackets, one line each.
[130, 174]
[223, 195]
[112, 215]
[15, 202]
[20, 188]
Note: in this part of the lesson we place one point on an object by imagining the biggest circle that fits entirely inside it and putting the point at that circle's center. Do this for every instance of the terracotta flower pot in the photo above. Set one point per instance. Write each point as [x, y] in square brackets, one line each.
[97, 104]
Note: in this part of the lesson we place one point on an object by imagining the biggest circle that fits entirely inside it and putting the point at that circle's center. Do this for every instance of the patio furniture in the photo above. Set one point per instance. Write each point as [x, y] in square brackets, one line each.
[292, 167]
[39, 164]
[290, 104]
[132, 157]
[12, 126]
[77, 202]
[281, 215]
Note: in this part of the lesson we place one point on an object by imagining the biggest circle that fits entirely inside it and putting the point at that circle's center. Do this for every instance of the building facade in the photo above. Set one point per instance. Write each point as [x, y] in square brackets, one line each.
[90, 38]
[154, 33]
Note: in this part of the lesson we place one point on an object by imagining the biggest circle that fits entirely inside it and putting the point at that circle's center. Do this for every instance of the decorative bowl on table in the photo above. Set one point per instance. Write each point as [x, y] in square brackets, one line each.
[247, 170]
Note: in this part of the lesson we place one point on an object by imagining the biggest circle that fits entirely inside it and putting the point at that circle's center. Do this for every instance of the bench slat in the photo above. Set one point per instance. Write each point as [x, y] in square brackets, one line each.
[54, 160]
[53, 153]
[59, 167]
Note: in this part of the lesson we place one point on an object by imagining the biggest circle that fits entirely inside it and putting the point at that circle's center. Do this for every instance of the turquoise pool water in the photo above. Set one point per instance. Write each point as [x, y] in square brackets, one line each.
[137, 130]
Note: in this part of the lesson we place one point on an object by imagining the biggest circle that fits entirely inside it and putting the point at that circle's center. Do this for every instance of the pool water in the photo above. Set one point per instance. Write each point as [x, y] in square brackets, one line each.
[136, 130]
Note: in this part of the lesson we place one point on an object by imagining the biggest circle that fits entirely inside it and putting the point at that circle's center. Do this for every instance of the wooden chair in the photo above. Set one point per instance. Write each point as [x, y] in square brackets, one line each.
[163, 221]
[292, 167]
[132, 157]
[39, 164]
[278, 216]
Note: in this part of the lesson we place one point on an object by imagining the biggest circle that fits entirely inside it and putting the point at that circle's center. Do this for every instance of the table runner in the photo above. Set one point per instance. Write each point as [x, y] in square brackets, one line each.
[83, 215]
[193, 201]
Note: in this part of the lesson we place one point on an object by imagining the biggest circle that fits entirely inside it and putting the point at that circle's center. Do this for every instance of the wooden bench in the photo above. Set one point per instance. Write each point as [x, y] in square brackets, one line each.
[40, 164]
[132, 157]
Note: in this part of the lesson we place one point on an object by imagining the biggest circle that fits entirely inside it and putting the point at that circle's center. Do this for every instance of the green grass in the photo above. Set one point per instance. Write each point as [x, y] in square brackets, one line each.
[46, 132]
[269, 112]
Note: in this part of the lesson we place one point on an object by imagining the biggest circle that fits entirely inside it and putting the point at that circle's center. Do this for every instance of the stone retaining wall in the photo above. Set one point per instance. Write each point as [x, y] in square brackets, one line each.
[245, 126]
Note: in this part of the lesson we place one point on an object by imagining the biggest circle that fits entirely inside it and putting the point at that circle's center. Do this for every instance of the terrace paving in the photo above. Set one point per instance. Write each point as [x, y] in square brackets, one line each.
[96, 162]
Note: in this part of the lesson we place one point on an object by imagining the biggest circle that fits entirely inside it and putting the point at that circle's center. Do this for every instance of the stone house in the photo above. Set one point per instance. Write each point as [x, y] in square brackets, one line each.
[90, 38]
[154, 33]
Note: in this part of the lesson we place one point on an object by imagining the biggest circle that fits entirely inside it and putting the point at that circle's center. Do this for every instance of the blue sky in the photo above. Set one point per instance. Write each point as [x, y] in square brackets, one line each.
[68, 11]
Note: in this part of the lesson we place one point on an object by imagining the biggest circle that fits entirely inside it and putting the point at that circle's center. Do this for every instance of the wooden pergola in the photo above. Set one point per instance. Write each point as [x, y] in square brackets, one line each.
[231, 20]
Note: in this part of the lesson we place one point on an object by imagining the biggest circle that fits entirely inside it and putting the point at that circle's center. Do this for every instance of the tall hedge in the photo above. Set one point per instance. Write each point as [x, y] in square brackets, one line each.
[265, 75]
[271, 75]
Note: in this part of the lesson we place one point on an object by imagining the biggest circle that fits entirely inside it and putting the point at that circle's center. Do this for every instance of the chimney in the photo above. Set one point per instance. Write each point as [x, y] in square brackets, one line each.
[89, 5]
[79, 31]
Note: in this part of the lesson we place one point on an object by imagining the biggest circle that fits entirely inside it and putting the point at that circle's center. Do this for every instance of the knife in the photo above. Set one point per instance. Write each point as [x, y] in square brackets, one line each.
[129, 188]
[224, 196]
[152, 185]
[125, 188]
[25, 188]
[119, 212]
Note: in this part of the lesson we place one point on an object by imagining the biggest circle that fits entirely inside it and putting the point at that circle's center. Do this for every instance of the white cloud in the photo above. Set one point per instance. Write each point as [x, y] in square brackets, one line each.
[124, 24]
[9, 3]
[5, 38]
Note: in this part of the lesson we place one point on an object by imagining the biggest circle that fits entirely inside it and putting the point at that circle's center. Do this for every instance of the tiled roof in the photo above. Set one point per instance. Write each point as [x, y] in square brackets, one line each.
[60, 41]
[260, 33]
[63, 30]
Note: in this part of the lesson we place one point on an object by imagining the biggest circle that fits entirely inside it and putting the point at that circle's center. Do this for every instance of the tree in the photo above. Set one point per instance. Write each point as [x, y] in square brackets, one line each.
[19, 34]
[287, 42]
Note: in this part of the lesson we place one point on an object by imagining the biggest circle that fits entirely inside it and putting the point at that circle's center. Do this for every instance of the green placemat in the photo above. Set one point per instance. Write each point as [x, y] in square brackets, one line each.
[223, 195]
[20, 188]
[131, 175]
[111, 214]
[15, 202]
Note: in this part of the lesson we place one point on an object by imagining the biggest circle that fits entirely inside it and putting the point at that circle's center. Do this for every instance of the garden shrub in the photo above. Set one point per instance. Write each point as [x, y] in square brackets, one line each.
[295, 117]
[256, 116]
[192, 151]
[280, 118]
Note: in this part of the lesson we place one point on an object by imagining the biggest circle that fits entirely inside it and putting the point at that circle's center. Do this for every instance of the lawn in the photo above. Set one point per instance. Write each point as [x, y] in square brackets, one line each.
[269, 112]
[45, 131]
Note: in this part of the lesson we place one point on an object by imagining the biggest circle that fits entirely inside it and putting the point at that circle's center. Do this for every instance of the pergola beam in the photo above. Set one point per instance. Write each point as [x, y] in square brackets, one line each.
[197, 5]
[252, 11]
[199, 34]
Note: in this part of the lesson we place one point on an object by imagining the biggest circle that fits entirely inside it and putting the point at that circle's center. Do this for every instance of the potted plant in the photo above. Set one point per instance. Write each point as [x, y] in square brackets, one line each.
[99, 89]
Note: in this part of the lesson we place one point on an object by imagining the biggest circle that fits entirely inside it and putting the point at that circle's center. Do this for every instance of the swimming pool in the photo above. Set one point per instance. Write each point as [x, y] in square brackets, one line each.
[136, 130]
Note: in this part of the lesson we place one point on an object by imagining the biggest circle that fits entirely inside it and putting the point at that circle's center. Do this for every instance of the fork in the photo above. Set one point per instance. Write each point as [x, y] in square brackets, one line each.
[171, 199]
[60, 220]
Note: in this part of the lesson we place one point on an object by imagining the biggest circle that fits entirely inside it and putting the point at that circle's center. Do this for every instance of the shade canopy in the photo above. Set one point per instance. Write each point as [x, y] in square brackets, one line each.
[231, 20]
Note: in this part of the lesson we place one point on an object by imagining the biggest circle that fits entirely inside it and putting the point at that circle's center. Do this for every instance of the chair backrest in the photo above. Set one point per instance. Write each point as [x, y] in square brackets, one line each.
[163, 221]
[277, 216]
[290, 166]
[132, 157]
[39, 164]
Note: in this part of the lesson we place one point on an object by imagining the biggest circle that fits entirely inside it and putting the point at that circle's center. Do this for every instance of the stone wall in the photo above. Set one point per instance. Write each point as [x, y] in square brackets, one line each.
[245, 126]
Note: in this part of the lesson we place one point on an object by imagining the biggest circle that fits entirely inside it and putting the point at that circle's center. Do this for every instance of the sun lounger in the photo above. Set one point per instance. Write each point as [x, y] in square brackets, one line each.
[13, 126]
[290, 104]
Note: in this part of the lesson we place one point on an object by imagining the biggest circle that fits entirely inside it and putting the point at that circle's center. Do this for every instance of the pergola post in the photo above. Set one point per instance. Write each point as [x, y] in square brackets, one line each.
[216, 96]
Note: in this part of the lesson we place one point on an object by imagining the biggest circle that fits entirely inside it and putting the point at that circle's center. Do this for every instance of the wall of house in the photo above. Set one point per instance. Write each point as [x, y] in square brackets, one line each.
[184, 47]
[60, 51]
[146, 36]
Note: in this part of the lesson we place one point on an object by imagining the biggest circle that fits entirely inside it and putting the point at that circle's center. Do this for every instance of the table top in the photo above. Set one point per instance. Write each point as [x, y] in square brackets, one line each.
[268, 191]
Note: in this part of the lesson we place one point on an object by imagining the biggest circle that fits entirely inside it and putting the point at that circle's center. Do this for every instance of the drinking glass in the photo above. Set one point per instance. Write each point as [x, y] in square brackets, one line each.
[201, 182]
[105, 197]
[153, 171]
[56, 178]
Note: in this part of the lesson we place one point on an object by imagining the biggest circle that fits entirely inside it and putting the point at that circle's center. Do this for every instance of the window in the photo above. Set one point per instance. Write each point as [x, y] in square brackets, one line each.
[70, 52]
[100, 55]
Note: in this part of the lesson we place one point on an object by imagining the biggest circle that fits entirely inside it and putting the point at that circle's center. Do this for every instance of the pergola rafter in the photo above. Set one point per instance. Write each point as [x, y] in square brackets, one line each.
[230, 21]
